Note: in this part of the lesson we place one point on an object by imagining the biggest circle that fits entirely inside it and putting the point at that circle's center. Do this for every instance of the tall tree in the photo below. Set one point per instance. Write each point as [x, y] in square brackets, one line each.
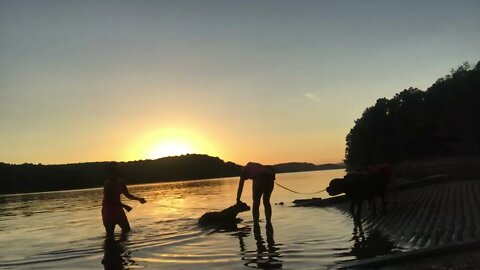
[441, 121]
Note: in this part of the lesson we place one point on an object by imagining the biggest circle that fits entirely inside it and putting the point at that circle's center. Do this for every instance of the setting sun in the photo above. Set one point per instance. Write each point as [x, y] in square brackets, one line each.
[170, 148]
[171, 141]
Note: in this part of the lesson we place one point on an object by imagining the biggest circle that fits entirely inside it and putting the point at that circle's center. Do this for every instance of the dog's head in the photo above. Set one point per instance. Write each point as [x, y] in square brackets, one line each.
[336, 186]
[242, 207]
[236, 208]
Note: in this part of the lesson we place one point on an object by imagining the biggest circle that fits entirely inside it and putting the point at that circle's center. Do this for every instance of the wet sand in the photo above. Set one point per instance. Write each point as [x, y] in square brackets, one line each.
[436, 222]
[432, 215]
[463, 260]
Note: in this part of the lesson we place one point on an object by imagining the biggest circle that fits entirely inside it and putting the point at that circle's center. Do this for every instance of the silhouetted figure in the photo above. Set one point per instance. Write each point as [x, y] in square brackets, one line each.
[112, 207]
[263, 181]
[361, 186]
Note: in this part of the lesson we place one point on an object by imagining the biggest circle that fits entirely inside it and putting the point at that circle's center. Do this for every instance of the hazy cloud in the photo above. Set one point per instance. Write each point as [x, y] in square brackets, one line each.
[312, 97]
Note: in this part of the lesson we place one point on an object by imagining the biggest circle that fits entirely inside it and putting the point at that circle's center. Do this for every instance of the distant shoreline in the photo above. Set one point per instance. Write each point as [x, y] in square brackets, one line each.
[31, 178]
[143, 184]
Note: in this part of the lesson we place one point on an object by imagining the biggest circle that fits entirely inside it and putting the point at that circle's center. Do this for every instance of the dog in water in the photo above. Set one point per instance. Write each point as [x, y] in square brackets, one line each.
[224, 218]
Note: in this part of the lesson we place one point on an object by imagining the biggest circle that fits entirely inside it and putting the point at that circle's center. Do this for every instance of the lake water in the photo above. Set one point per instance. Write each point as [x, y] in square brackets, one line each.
[63, 230]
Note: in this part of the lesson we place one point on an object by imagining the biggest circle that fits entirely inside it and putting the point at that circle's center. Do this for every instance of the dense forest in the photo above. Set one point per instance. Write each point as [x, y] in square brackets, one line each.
[34, 178]
[37, 177]
[439, 122]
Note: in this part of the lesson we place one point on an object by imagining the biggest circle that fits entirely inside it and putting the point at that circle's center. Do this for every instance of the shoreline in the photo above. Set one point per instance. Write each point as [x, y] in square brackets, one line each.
[143, 184]
[435, 256]
[436, 220]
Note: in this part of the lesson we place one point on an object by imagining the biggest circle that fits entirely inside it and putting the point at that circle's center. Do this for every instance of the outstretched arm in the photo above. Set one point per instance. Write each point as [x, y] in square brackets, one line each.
[240, 189]
[131, 196]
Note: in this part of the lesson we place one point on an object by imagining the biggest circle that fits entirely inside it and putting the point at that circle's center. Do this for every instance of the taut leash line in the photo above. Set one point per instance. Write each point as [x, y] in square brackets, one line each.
[291, 190]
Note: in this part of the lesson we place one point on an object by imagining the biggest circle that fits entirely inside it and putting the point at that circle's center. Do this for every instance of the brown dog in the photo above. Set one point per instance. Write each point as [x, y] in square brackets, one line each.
[225, 217]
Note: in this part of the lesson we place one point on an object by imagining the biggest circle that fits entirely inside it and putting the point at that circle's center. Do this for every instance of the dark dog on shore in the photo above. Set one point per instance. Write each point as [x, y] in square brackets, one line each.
[359, 187]
[226, 217]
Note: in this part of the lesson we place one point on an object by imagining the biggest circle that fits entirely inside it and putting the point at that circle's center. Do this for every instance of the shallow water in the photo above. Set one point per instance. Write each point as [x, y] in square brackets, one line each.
[63, 230]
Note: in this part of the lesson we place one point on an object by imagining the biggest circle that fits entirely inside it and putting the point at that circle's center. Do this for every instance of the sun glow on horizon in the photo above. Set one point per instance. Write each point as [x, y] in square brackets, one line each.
[171, 142]
[170, 148]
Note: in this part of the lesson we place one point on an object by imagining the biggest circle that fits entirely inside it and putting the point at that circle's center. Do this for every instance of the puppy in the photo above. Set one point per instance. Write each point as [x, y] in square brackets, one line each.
[225, 217]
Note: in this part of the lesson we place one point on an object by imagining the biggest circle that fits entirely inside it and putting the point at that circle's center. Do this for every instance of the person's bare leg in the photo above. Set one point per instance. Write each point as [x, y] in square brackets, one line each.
[266, 203]
[124, 225]
[257, 195]
[109, 229]
[256, 231]
[268, 210]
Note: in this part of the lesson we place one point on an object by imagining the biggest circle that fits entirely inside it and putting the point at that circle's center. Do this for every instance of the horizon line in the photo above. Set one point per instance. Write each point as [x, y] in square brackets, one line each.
[149, 159]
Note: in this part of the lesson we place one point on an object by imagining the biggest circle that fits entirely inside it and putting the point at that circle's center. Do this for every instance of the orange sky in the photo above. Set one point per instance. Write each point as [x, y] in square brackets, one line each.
[265, 81]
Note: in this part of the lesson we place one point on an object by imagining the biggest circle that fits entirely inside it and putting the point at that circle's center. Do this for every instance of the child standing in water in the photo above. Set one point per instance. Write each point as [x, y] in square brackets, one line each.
[112, 207]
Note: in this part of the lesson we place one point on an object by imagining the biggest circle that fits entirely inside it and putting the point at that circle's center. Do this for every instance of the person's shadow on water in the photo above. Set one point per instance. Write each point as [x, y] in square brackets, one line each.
[116, 255]
[267, 253]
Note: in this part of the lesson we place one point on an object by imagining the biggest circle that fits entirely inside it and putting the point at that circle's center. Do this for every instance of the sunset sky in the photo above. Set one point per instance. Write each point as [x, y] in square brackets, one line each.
[267, 81]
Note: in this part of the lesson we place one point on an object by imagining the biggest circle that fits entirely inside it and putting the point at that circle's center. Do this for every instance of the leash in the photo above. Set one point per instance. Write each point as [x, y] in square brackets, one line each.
[291, 190]
[183, 208]
[197, 208]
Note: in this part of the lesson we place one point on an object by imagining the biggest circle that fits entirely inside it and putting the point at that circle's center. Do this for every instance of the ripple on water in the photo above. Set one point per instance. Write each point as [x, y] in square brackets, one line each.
[65, 231]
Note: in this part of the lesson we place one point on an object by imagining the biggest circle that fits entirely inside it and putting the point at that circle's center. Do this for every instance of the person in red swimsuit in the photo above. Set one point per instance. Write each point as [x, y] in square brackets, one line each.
[112, 207]
[263, 178]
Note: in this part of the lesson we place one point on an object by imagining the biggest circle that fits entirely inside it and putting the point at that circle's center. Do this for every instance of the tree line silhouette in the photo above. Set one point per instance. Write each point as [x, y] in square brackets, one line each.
[34, 178]
[37, 177]
[439, 122]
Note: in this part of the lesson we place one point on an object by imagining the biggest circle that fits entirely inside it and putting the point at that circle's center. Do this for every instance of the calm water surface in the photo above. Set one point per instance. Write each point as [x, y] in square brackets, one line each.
[63, 230]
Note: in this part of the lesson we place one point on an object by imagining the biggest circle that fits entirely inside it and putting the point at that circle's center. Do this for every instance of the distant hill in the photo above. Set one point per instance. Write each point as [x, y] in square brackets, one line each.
[35, 178]
[304, 166]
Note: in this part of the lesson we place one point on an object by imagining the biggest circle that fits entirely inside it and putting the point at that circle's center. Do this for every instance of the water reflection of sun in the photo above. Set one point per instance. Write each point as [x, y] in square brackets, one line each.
[170, 142]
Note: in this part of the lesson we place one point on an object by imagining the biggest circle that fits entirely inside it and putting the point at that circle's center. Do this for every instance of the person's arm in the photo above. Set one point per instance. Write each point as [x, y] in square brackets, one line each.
[240, 189]
[131, 196]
